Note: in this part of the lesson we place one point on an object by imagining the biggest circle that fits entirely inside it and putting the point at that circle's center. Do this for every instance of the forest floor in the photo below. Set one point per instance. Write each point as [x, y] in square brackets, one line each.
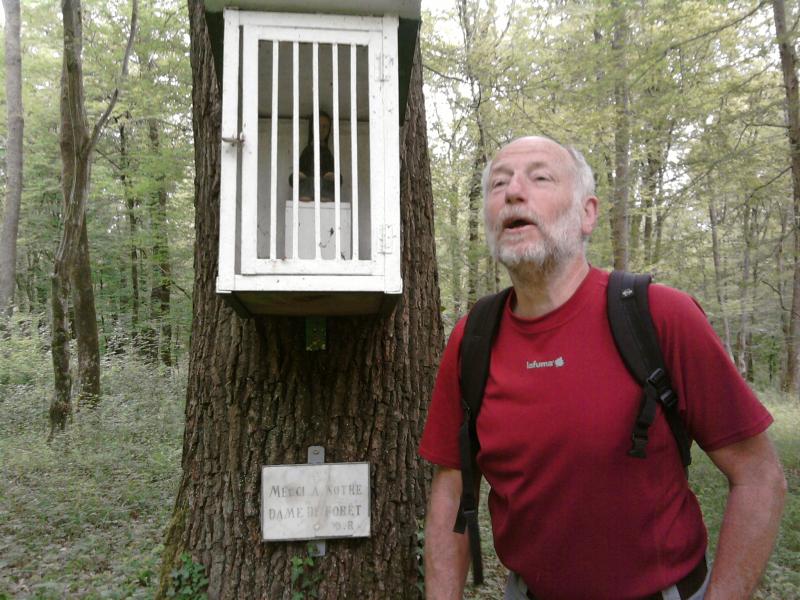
[83, 516]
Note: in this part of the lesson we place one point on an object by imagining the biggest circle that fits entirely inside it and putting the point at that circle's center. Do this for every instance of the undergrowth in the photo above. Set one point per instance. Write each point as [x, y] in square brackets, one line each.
[83, 516]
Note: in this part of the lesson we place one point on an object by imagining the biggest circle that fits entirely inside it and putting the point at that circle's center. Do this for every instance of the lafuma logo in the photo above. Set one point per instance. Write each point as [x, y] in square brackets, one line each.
[535, 364]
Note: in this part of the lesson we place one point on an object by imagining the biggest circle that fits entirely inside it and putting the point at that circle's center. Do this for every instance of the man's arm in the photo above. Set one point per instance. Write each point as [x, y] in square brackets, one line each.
[757, 488]
[446, 552]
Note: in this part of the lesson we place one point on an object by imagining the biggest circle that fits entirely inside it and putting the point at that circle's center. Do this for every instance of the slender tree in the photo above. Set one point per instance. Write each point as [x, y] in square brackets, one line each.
[256, 397]
[71, 266]
[8, 235]
[469, 19]
[161, 265]
[622, 180]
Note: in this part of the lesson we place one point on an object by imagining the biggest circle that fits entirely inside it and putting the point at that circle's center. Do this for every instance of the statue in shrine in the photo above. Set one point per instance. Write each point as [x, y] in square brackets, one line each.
[326, 163]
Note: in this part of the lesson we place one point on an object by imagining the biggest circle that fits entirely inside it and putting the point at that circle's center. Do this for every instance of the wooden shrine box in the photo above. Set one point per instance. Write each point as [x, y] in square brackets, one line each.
[311, 229]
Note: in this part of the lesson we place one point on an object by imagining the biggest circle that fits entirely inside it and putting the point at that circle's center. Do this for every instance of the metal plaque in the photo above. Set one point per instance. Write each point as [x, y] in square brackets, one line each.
[307, 502]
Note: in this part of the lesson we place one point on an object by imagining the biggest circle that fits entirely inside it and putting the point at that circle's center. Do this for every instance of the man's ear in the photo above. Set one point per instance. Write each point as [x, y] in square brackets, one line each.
[589, 215]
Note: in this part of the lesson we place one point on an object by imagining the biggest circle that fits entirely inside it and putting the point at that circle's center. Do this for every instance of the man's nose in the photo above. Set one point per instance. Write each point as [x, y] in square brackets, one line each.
[515, 189]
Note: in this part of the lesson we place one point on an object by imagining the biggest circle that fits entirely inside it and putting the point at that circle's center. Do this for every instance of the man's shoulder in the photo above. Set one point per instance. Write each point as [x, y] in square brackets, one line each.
[668, 302]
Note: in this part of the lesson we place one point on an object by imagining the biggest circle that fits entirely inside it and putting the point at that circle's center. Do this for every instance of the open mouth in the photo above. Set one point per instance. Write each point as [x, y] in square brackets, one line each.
[517, 224]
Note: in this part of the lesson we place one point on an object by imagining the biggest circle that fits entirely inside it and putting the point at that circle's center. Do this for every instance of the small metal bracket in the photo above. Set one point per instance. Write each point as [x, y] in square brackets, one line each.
[236, 141]
[316, 456]
[316, 334]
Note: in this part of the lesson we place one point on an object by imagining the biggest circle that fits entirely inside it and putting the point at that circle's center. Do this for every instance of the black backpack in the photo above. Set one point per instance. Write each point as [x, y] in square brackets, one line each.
[636, 341]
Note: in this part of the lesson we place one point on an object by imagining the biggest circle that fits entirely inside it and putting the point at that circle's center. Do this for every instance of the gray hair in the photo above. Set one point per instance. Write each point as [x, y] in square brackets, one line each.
[583, 177]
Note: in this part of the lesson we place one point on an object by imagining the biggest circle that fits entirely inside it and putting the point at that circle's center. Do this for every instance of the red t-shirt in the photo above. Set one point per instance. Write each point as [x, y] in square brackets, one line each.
[572, 513]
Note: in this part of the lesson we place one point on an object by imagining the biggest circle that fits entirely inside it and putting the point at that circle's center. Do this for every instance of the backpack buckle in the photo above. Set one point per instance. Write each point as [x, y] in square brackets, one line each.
[639, 445]
[659, 382]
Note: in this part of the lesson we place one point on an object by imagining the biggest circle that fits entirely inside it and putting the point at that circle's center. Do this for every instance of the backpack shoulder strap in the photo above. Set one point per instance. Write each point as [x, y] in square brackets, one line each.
[475, 357]
[637, 342]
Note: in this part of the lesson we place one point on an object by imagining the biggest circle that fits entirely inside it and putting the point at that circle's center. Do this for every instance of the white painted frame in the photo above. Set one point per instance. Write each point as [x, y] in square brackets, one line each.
[251, 264]
[382, 271]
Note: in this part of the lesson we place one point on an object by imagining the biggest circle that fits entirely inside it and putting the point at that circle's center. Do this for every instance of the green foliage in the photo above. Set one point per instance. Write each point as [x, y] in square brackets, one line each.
[128, 237]
[305, 578]
[23, 343]
[706, 110]
[189, 581]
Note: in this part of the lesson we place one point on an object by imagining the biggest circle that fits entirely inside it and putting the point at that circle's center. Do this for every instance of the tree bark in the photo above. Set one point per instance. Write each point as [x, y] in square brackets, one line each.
[791, 380]
[619, 210]
[475, 246]
[85, 321]
[8, 235]
[256, 397]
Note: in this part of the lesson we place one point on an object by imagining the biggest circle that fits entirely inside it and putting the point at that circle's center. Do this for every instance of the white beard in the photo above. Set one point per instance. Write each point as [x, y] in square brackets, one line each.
[557, 241]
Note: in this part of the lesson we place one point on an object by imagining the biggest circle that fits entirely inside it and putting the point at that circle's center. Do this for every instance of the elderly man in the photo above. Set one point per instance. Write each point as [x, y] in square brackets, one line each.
[574, 517]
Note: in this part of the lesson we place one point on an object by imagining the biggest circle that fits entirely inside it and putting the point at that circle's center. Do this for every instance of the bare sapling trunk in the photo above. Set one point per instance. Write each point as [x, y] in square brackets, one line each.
[8, 235]
[719, 276]
[619, 210]
[473, 221]
[469, 26]
[162, 269]
[133, 224]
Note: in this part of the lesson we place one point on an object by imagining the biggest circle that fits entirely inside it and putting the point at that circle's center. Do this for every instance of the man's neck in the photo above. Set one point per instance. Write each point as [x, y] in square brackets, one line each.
[539, 292]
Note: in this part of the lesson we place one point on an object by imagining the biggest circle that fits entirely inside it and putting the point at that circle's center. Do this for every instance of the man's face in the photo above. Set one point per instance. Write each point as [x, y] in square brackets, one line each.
[531, 214]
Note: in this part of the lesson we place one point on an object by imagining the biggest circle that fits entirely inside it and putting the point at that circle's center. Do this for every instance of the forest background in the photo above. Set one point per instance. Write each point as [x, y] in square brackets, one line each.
[680, 108]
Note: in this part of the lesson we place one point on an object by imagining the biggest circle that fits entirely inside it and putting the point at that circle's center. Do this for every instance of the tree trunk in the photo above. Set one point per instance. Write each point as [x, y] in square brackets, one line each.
[133, 225]
[72, 255]
[619, 210]
[784, 218]
[8, 235]
[256, 397]
[748, 226]
[71, 263]
[162, 270]
[791, 381]
[475, 246]
[718, 274]
[650, 192]
[456, 253]
[476, 249]
[61, 402]
[88, 343]
[72, 138]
